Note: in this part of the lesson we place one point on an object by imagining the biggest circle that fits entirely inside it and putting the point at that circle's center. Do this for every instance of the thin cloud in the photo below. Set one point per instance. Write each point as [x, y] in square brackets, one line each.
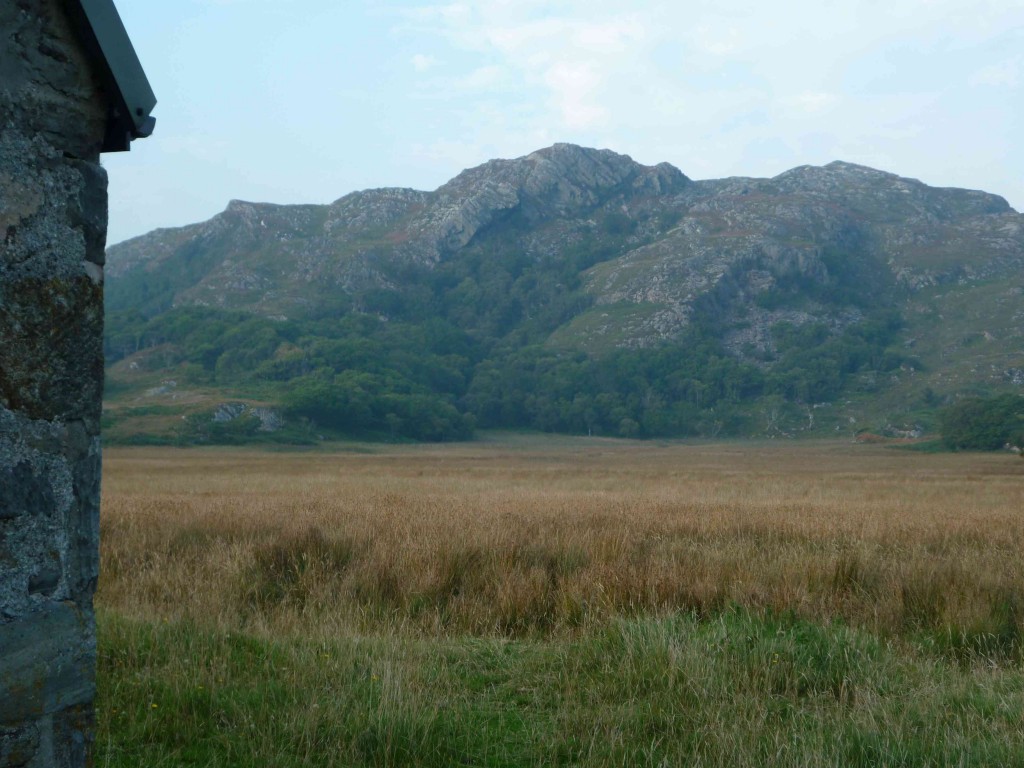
[924, 88]
[482, 78]
[811, 101]
[422, 62]
[1006, 74]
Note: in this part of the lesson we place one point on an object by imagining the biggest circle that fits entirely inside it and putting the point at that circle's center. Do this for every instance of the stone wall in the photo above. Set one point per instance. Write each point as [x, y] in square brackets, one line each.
[52, 233]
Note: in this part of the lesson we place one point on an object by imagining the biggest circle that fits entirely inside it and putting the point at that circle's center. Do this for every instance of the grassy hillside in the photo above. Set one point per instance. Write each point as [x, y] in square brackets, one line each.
[570, 290]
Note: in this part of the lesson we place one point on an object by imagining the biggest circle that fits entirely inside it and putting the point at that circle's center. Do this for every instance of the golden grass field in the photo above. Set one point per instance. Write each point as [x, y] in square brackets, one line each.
[531, 601]
[531, 536]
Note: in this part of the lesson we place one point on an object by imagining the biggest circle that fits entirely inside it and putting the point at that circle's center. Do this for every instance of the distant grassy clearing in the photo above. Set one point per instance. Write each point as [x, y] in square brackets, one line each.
[542, 602]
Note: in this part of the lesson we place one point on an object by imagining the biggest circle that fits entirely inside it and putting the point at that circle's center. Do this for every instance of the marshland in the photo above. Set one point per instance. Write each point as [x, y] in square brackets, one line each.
[527, 600]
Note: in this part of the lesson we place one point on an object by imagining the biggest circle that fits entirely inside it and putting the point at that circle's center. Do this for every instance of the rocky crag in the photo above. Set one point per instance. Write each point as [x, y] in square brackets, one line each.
[655, 249]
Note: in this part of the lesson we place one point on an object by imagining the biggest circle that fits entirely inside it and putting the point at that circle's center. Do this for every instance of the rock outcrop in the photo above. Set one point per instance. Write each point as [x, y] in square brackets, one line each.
[657, 247]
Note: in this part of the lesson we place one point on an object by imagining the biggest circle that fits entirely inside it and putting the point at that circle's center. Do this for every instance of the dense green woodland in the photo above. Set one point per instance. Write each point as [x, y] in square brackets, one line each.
[462, 346]
[431, 381]
[984, 424]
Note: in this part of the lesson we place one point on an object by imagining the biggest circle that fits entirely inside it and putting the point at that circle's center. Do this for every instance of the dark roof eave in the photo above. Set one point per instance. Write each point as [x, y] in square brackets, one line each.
[133, 98]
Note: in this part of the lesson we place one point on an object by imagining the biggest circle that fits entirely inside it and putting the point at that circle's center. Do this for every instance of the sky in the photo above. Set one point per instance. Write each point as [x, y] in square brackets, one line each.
[304, 101]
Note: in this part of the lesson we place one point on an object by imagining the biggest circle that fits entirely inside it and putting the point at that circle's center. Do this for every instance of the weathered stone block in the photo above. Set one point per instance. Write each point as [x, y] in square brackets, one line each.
[18, 745]
[48, 662]
[45, 71]
[23, 491]
[47, 576]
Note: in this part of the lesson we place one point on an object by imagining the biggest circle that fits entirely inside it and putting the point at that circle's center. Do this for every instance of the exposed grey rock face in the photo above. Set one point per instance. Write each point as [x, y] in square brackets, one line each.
[267, 257]
[729, 239]
[736, 238]
[664, 249]
[270, 419]
[52, 232]
[558, 182]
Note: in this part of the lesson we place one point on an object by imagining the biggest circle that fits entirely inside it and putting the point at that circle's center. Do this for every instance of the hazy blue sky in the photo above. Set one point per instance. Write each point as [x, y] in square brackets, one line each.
[306, 100]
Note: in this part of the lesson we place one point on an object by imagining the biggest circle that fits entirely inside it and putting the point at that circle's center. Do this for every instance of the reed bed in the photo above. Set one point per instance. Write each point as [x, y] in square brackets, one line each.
[552, 602]
[536, 538]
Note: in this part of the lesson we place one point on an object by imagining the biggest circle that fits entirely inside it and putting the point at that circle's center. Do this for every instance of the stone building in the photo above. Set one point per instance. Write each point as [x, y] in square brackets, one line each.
[70, 88]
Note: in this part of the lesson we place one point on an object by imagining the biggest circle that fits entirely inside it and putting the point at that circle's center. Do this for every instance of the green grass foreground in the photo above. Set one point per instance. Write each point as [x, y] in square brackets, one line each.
[736, 688]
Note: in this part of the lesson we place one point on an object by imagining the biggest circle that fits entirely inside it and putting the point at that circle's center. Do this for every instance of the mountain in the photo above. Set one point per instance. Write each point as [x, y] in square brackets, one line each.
[575, 289]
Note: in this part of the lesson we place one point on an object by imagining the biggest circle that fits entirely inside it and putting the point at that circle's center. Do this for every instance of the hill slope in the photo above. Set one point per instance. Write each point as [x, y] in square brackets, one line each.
[574, 289]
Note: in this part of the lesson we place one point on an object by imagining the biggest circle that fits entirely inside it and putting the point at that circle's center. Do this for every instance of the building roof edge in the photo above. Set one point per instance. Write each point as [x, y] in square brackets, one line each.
[107, 40]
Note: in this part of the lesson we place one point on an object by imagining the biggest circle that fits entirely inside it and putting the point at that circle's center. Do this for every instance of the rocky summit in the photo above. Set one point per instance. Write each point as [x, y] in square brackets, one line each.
[584, 251]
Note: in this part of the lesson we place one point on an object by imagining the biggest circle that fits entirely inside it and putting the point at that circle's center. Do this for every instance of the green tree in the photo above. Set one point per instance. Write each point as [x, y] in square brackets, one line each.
[983, 424]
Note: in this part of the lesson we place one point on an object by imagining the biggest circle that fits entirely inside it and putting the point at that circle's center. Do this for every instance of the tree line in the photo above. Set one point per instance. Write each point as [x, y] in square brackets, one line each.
[362, 375]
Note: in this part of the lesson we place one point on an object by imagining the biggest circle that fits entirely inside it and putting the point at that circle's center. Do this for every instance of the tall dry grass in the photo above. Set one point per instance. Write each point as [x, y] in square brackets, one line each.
[539, 537]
